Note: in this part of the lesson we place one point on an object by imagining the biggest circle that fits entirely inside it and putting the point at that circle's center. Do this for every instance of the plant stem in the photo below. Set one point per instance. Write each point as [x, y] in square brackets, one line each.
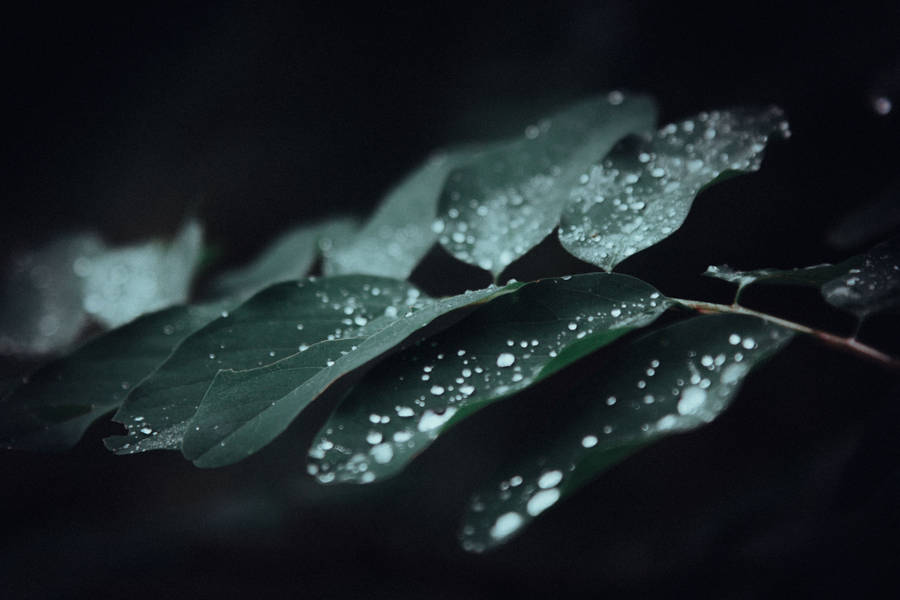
[850, 344]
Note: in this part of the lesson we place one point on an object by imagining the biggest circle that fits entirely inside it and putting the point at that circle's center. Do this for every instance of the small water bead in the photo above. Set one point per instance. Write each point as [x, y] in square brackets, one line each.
[146, 430]
[749, 343]
[589, 441]
[515, 481]
[706, 361]
[374, 437]
[615, 312]
[734, 339]
[402, 436]
[550, 479]
[506, 524]
[541, 501]
[505, 359]
[404, 411]
[611, 400]
[437, 390]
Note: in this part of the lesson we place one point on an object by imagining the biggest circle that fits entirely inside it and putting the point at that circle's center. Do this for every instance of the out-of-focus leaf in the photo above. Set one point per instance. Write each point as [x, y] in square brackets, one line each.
[643, 191]
[288, 258]
[861, 284]
[123, 283]
[243, 411]
[497, 207]
[280, 321]
[56, 404]
[671, 380]
[871, 286]
[814, 276]
[401, 231]
[41, 307]
[401, 407]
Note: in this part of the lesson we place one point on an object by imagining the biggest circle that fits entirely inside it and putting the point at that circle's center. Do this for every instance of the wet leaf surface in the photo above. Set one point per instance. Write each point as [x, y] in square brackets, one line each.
[496, 208]
[642, 192]
[671, 380]
[400, 233]
[401, 407]
[245, 410]
[56, 405]
[278, 322]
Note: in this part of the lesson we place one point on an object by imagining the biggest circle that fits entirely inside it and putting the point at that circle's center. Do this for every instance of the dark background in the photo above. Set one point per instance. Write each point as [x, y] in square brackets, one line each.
[259, 118]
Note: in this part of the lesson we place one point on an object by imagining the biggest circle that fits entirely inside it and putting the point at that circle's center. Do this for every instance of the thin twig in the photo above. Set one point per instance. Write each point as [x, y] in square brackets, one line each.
[850, 344]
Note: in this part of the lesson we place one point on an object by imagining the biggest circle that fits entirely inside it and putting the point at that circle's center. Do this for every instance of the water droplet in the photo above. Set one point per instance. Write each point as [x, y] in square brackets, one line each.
[734, 339]
[550, 479]
[437, 390]
[382, 453]
[692, 399]
[589, 441]
[505, 359]
[615, 312]
[431, 420]
[374, 437]
[749, 343]
[541, 501]
[505, 525]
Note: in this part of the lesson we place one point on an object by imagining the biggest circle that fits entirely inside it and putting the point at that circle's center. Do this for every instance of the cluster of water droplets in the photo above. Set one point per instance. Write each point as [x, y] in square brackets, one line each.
[665, 386]
[280, 322]
[496, 208]
[638, 196]
[414, 395]
[873, 285]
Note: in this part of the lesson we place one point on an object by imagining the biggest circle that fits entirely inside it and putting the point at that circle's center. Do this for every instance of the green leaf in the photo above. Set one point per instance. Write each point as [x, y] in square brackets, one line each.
[56, 405]
[41, 308]
[871, 286]
[243, 411]
[643, 191]
[400, 233]
[401, 407]
[671, 380]
[813, 276]
[278, 322]
[861, 284]
[288, 258]
[123, 283]
[496, 208]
